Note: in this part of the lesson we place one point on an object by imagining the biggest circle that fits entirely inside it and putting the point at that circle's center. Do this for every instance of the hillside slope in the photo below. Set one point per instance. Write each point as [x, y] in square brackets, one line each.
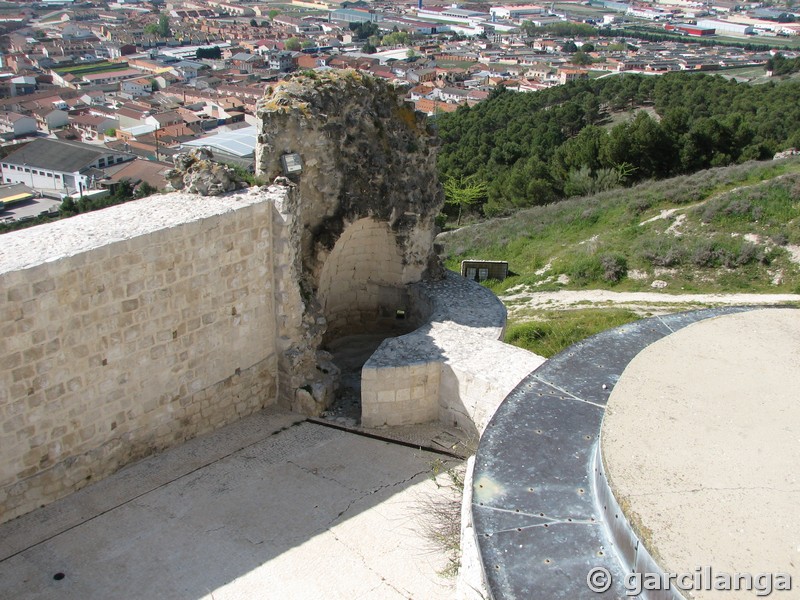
[721, 231]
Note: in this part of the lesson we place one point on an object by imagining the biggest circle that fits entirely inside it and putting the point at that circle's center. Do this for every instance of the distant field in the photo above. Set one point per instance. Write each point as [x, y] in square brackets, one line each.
[775, 42]
[749, 74]
[580, 9]
[285, 8]
[100, 67]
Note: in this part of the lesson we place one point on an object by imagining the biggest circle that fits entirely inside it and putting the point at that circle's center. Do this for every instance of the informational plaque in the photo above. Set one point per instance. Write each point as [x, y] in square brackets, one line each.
[292, 165]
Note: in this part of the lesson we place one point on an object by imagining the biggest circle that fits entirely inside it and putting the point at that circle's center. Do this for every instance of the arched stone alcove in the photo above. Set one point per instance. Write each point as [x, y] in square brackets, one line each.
[361, 288]
[359, 226]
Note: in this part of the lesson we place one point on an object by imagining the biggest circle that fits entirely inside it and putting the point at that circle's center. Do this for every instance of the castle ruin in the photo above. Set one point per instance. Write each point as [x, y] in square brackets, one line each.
[132, 329]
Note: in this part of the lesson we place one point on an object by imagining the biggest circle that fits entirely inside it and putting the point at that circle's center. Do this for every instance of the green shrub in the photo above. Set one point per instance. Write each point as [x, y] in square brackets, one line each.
[662, 250]
[585, 269]
[780, 238]
[641, 204]
[729, 253]
[615, 267]
[703, 254]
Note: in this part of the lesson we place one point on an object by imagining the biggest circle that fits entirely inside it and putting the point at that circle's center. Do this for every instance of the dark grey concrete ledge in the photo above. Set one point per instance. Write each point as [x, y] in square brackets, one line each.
[543, 518]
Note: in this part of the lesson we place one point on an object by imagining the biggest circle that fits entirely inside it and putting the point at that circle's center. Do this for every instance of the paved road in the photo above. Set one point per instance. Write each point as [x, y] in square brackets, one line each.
[30, 207]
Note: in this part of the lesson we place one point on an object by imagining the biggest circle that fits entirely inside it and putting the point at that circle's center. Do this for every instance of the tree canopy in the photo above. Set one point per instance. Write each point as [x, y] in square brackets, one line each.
[535, 148]
[160, 29]
[364, 30]
[292, 44]
[213, 53]
[780, 65]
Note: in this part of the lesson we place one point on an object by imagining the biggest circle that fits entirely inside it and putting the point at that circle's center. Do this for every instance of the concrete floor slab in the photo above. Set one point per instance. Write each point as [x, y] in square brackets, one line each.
[700, 445]
[271, 507]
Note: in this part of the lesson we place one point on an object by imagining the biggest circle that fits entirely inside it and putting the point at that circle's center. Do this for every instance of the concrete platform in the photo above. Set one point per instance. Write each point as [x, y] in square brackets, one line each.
[270, 507]
[546, 523]
[701, 442]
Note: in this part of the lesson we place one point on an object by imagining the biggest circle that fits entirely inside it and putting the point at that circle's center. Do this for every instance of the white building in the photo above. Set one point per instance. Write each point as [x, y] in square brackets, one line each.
[646, 13]
[452, 15]
[59, 165]
[724, 27]
[14, 124]
[136, 88]
[515, 12]
[49, 119]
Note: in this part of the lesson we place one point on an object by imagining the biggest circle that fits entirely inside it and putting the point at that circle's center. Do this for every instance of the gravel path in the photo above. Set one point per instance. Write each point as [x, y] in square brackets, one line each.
[519, 302]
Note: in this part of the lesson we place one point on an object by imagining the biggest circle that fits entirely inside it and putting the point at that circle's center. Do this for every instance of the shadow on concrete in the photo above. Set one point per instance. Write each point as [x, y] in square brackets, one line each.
[270, 507]
[349, 354]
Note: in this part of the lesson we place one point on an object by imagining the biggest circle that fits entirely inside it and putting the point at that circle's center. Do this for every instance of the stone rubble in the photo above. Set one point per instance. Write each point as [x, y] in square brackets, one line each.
[196, 172]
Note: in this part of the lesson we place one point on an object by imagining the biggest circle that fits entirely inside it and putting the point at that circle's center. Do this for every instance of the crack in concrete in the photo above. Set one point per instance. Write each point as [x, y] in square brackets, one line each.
[546, 521]
[215, 529]
[571, 395]
[546, 525]
[512, 512]
[371, 492]
[384, 581]
[317, 473]
[739, 488]
[368, 593]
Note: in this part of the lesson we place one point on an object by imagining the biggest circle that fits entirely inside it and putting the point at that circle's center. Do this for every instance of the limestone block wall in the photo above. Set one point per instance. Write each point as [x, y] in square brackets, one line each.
[128, 330]
[400, 395]
[361, 283]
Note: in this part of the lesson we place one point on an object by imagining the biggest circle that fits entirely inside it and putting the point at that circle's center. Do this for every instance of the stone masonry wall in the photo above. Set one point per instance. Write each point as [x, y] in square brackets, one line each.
[362, 280]
[128, 330]
[452, 369]
[369, 171]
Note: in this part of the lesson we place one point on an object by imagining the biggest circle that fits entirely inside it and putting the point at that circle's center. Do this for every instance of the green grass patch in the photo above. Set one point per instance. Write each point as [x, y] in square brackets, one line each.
[559, 329]
[734, 218]
[98, 67]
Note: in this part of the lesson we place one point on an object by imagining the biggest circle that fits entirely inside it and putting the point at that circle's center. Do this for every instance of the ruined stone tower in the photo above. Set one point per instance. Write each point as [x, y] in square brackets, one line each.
[360, 221]
[155, 321]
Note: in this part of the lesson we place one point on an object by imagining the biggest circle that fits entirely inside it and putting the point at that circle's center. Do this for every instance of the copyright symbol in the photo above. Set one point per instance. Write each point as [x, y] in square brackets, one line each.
[598, 580]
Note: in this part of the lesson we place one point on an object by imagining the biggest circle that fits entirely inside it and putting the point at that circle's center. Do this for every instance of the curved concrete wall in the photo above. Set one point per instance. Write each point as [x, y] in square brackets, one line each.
[454, 368]
[543, 514]
[127, 330]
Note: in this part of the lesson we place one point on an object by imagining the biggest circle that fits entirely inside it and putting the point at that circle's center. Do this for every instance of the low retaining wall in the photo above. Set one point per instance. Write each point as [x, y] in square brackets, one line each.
[543, 515]
[128, 330]
[453, 368]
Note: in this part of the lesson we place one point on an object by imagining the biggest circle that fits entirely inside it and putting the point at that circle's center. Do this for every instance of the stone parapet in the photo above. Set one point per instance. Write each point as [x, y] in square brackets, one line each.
[453, 368]
[128, 330]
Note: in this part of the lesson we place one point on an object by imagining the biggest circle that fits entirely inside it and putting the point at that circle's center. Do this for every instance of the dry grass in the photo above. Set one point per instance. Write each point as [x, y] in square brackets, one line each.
[440, 514]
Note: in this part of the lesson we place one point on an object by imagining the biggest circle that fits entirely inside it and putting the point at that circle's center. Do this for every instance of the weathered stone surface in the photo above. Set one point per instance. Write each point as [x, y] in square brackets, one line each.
[365, 153]
[360, 224]
[196, 173]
